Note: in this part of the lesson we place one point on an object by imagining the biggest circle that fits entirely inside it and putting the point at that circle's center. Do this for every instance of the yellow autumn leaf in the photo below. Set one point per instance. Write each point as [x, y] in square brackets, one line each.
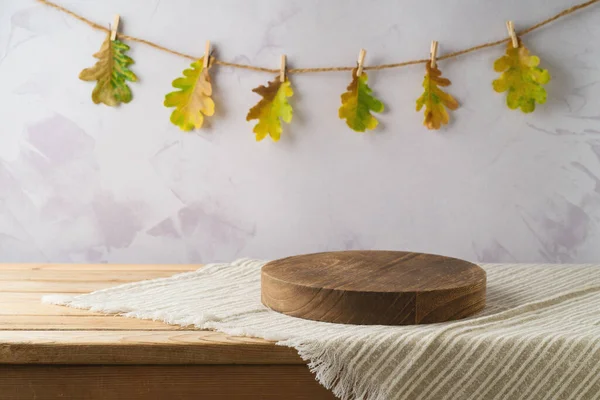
[435, 99]
[111, 74]
[193, 99]
[358, 103]
[271, 109]
[521, 78]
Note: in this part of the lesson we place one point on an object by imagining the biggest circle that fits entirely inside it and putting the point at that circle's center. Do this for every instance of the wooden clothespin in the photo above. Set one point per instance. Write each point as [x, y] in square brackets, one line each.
[513, 35]
[283, 69]
[361, 61]
[115, 27]
[433, 53]
[207, 51]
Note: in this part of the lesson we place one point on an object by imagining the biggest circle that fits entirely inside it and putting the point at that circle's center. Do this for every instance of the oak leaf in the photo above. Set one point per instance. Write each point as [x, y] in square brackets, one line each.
[522, 78]
[358, 103]
[111, 74]
[193, 100]
[271, 109]
[435, 99]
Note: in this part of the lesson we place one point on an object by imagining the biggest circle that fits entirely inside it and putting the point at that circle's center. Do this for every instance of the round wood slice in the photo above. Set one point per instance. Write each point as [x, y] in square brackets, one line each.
[374, 287]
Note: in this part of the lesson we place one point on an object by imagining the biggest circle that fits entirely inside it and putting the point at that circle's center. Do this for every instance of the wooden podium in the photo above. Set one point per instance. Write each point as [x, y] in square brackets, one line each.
[374, 287]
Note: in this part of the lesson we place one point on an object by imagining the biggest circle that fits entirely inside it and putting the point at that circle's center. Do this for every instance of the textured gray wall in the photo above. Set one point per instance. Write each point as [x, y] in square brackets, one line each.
[81, 182]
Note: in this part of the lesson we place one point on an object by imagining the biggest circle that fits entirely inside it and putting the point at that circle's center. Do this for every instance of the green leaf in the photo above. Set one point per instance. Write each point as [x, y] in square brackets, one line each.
[435, 99]
[111, 74]
[358, 103]
[271, 109]
[193, 99]
[521, 78]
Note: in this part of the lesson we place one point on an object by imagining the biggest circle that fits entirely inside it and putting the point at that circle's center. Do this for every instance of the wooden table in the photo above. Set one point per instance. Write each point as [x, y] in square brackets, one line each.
[50, 352]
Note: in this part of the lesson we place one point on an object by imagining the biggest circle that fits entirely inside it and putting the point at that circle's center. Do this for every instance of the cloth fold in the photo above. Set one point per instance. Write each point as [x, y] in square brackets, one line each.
[538, 337]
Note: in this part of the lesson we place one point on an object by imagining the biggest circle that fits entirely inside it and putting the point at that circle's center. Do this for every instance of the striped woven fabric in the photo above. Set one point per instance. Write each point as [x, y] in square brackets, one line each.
[538, 338]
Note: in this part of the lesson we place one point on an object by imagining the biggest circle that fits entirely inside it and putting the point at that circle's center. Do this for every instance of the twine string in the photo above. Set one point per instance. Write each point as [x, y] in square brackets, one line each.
[458, 53]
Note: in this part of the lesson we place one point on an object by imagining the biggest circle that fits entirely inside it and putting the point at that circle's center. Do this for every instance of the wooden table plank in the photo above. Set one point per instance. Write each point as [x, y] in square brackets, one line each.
[65, 287]
[54, 287]
[114, 277]
[79, 322]
[139, 347]
[45, 279]
[31, 304]
[225, 382]
[175, 268]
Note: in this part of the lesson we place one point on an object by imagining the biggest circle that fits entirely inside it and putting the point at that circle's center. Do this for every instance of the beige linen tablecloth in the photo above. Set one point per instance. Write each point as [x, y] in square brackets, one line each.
[538, 338]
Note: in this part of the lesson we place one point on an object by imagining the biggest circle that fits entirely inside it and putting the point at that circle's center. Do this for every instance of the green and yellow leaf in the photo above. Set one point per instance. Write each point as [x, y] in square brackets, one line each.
[271, 109]
[435, 99]
[193, 100]
[111, 74]
[521, 78]
[358, 103]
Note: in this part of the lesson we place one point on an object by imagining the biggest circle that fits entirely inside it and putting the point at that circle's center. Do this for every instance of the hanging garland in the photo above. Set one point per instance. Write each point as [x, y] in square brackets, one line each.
[520, 77]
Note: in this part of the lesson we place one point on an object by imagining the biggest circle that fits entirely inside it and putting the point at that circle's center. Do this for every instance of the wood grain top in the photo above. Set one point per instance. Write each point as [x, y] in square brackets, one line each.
[375, 271]
[36, 333]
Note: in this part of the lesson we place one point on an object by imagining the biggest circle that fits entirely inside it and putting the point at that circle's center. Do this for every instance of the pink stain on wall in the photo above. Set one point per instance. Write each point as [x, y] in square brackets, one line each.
[117, 222]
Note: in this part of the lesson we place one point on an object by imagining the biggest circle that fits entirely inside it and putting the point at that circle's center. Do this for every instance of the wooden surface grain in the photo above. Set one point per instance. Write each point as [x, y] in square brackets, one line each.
[36, 333]
[148, 382]
[51, 352]
[374, 287]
